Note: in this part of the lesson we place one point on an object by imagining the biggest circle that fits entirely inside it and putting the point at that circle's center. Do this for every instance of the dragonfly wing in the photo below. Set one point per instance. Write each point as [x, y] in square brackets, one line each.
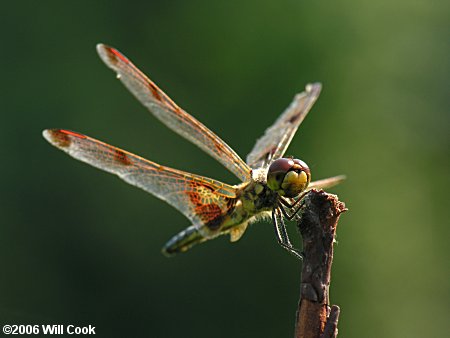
[273, 144]
[202, 200]
[326, 182]
[163, 108]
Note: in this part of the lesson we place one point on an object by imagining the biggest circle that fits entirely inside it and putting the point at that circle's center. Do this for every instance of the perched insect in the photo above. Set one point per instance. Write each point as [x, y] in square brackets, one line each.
[271, 185]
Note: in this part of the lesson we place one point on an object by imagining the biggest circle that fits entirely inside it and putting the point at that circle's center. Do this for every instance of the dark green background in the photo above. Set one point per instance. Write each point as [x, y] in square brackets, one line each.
[78, 246]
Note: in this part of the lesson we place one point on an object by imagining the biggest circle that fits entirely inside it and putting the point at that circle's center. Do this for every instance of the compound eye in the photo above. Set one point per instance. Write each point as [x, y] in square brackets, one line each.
[289, 177]
[282, 165]
[277, 171]
[302, 164]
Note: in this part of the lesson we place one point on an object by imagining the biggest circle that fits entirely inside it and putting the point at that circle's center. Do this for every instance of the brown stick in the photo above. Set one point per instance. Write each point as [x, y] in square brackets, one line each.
[317, 225]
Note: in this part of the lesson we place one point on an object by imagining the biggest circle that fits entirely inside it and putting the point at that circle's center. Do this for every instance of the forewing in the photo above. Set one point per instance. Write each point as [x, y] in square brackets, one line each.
[199, 198]
[163, 108]
[326, 182]
[273, 144]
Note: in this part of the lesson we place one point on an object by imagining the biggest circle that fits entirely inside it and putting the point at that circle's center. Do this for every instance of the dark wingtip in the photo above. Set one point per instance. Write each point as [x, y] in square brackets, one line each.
[56, 138]
[104, 53]
[110, 56]
[61, 138]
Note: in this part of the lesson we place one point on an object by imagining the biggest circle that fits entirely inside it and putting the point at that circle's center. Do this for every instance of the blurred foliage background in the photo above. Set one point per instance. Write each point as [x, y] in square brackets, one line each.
[78, 246]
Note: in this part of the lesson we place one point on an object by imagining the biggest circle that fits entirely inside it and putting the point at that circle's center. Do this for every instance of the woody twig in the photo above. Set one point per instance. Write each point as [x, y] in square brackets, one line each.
[317, 225]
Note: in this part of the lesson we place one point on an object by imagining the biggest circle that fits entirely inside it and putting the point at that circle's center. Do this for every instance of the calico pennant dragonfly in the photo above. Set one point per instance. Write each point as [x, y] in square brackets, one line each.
[272, 186]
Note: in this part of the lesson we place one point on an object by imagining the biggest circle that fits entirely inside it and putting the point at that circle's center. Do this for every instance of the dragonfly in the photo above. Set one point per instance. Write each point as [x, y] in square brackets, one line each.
[272, 186]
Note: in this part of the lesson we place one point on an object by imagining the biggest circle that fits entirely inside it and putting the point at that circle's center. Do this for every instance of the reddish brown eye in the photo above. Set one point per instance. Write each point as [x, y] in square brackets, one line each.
[303, 166]
[301, 163]
[289, 177]
[277, 171]
[281, 165]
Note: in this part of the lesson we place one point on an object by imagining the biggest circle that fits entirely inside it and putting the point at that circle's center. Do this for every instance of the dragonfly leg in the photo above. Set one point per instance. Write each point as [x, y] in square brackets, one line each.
[282, 235]
[296, 206]
[296, 201]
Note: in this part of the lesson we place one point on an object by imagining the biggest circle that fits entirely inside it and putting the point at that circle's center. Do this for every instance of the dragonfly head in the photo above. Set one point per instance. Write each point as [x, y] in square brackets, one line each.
[288, 177]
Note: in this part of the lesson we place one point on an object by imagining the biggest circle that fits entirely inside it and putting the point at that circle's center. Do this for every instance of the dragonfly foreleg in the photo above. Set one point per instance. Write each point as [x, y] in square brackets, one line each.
[293, 207]
[282, 235]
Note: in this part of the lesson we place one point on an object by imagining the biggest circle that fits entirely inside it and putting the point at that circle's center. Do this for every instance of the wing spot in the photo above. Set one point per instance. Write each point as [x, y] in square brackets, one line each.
[62, 140]
[72, 133]
[196, 186]
[121, 157]
[209, 214]
[114, 54]
[62, 137]
[154, 91]
[219, 146]
[194, 198]
[294, 118]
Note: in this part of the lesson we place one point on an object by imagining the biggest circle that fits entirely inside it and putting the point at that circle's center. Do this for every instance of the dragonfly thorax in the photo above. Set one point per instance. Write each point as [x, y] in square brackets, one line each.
[288, 177]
